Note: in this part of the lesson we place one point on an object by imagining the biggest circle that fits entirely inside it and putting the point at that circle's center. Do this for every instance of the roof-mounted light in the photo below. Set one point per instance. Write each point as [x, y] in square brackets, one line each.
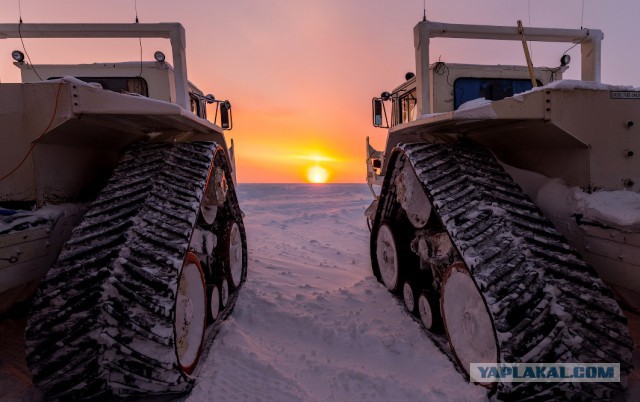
[17, 56]
[565, 60]
[409, 76]
[159, 56]
[385, 96]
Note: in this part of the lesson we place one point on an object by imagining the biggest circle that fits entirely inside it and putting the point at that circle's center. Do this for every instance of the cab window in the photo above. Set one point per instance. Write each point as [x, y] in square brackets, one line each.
[197, 106]
[405, 108]
[132, 85]
[493, 89]
[408, 109]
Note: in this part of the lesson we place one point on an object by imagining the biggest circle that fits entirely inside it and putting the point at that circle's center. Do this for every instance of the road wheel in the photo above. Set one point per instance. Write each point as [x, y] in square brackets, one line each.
[235, 254]
[408, 297]
[214, 302]
[387, 257]
[467, 321]
[191, 313]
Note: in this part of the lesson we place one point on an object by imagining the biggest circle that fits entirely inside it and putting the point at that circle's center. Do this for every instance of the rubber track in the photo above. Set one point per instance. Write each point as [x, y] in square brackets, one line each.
[101, 325]
[547, 305]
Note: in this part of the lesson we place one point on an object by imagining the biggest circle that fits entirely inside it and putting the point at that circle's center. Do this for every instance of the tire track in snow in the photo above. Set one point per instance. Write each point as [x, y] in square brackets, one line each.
[312, 322]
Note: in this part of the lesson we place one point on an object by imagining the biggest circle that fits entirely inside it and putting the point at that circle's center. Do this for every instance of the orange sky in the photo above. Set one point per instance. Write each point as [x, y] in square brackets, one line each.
[301, 74]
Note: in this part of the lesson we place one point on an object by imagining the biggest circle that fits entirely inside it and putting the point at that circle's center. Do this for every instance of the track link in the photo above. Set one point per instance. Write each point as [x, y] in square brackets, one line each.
[546, 304]
[102, 323]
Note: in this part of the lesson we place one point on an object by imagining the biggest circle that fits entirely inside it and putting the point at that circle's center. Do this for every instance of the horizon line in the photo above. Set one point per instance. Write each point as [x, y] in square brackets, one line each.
[301, 182]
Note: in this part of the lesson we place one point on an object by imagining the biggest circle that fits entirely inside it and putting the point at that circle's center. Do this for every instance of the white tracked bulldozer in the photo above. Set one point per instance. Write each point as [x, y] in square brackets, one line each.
[505, 213]
[118, 210]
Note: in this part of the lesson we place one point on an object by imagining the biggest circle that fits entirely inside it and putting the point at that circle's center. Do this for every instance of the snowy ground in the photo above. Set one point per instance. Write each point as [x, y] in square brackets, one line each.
[312, 323]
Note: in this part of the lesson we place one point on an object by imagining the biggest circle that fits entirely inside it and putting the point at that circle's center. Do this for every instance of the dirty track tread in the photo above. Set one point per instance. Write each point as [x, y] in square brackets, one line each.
[139, 227]
[539, 313]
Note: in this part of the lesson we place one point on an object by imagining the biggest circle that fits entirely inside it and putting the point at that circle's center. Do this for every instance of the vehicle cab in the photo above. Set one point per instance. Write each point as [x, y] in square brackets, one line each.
[154, 80]
[453, 85]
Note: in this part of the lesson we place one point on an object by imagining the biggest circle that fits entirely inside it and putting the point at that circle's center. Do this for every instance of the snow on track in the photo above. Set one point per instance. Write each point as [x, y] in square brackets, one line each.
[312, 323]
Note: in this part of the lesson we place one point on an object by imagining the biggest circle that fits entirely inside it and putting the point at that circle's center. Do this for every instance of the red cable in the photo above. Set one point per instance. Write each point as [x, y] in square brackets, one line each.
[33, 144]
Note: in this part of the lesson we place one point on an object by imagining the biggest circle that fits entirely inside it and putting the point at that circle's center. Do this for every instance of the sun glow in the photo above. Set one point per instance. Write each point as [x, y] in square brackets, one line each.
[317, 174]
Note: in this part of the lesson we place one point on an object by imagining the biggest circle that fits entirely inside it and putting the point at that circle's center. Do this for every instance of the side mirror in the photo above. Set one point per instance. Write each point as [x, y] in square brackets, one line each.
[378, 112]
[226, 119]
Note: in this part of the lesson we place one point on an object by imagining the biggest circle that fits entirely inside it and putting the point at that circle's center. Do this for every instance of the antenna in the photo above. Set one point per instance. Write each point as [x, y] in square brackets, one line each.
[22, 41]
[582, 18]
[424, 8]
[135, 7]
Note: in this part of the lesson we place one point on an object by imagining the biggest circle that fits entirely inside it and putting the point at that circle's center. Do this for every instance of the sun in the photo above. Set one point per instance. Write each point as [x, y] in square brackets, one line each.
[317, 174]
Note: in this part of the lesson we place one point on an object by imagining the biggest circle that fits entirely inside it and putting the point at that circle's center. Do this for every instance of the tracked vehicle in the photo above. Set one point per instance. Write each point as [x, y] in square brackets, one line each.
[486, 224]
[119, 207]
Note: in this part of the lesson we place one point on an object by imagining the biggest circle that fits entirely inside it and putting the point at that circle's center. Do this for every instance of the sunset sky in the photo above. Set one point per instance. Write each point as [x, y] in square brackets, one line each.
[301, 74]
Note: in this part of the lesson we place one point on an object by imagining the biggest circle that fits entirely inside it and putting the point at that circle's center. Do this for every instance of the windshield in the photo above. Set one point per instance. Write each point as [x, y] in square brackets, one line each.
[493, 89]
